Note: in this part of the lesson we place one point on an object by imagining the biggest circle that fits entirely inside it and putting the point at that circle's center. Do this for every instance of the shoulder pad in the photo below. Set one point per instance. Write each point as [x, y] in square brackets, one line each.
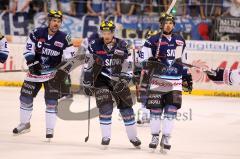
[179, 40]
[122, 43]
[35, 33]
[93, 36]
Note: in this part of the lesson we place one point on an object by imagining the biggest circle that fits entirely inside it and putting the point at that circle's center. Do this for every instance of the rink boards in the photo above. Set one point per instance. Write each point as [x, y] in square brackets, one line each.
[203, 54]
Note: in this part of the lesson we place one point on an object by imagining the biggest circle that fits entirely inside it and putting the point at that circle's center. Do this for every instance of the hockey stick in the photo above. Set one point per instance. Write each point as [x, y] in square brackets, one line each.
[43, 72]
[10, 71]
[171, 6]
[164, 21]
[209, 72]
[89, 102]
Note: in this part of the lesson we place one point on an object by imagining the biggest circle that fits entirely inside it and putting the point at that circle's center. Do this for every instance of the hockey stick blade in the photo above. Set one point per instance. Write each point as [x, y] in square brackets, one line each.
[89, 103]
[86, 138]
[209, 72]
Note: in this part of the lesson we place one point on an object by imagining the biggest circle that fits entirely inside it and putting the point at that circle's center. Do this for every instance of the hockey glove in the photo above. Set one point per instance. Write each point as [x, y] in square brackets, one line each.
[34, 67]
[60, 76]
[216, 75]
[152, 63]
[155, 64]
[121, 90]
[187, 83]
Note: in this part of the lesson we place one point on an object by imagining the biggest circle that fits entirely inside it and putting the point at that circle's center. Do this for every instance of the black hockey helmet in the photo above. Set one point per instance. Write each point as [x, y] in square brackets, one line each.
[55, 14]
[107, 26]
[166, 17]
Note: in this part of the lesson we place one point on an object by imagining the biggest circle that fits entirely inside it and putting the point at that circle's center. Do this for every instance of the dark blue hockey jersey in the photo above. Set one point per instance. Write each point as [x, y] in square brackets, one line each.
[114, 60]
[170, 48]
[48, 50]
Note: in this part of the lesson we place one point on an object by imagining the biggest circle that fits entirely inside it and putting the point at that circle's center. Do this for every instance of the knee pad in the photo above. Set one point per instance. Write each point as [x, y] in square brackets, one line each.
[173, 98]
[51, 105]
[170, 111]
[105, 114]
[156, 113]
[26, 103]
[128, 116]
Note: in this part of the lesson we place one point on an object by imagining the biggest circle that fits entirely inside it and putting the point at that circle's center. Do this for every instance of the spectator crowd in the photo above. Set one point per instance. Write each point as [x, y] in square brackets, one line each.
[191, 8]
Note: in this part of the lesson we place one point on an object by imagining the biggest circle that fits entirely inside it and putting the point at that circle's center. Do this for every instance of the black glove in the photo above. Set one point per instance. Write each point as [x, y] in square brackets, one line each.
[88, 88]
[187, 83]
[3, 59]
[155, 64]
[120, 85]
[60, 76]
[34, 67]
[152, 63]
[216, 75]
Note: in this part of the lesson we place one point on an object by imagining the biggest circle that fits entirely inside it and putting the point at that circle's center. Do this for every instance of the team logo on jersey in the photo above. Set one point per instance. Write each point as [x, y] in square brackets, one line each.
[58, 44]
[170, 62]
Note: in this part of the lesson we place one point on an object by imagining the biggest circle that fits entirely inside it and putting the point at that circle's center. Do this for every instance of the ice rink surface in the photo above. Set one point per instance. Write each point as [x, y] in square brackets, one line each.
[211, 131]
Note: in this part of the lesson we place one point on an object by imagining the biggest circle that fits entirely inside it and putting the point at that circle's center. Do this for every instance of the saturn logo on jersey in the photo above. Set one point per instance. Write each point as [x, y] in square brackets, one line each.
[50, 52]
[112, 62]
[170, 53]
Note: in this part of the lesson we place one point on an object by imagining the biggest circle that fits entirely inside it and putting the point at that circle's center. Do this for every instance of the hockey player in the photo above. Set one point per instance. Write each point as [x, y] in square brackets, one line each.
[106, 77]
[229, 77]
[162, 79]
[3, 49]
[45, 49]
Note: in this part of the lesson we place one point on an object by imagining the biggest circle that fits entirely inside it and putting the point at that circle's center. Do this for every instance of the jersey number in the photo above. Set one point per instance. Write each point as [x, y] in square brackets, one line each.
[29, 46]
